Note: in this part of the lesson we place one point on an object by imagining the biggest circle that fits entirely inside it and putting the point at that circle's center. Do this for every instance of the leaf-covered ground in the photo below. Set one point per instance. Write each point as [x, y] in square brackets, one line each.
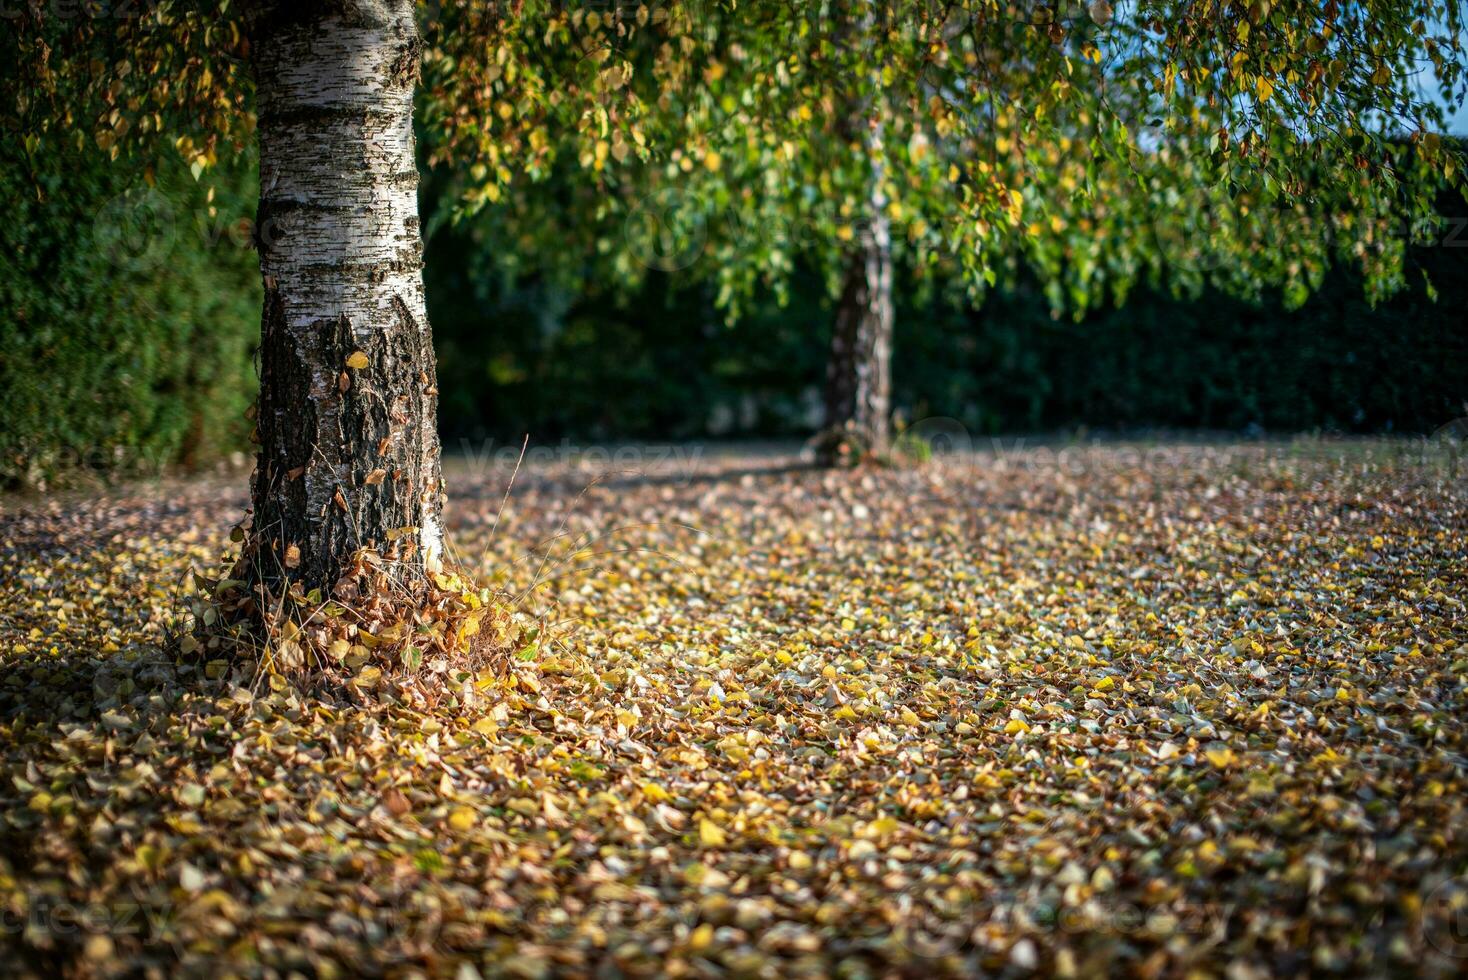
[1158, 711]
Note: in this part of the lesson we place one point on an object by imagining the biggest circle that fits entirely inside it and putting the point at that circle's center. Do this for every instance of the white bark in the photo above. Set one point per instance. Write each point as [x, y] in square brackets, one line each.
[341, 258]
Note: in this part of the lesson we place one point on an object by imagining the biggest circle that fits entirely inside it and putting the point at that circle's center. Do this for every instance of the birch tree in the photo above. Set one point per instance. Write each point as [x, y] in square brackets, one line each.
[1165, 141]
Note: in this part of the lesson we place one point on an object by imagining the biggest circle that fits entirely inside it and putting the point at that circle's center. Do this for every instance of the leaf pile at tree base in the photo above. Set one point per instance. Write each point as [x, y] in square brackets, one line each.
[380, 616]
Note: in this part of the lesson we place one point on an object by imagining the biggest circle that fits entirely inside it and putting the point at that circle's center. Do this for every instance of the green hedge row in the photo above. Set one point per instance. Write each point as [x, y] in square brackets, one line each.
[517, 358]
[130, 314]
[1335, 364]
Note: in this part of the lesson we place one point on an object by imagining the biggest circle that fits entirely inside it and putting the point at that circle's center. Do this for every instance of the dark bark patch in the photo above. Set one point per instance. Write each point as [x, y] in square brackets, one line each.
[403, 70]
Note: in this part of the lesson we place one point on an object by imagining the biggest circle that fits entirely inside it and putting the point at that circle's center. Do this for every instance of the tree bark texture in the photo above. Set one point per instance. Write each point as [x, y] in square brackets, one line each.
[858, 371]
[858, 393]
[349, 453]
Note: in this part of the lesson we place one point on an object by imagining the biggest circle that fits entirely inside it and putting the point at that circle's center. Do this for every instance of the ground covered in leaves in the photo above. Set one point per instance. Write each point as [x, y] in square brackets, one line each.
[1150, 710]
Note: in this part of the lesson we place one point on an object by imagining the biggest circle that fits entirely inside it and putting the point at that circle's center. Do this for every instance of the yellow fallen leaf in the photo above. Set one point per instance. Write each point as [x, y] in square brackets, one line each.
[701, 938]
[357, 361]
[462, 818]
[710, 834]
[1221, 758]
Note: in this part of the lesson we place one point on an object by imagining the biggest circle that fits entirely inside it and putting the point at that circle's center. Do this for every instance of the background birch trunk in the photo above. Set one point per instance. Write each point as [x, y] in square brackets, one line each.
[858, 393]
[858, 372]
[349, 453]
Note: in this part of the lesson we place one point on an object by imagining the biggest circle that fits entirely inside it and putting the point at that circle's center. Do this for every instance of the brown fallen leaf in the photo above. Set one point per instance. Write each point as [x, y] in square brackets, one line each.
[396, 803]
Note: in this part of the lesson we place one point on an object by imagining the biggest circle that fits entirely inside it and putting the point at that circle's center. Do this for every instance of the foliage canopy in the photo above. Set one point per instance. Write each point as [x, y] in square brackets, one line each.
[1227, 143]
[1090, 141]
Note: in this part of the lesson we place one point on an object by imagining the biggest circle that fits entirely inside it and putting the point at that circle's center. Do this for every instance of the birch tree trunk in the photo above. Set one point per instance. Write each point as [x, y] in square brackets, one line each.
[858, 397]
[349, 453]
[859, 383]
[858, 372]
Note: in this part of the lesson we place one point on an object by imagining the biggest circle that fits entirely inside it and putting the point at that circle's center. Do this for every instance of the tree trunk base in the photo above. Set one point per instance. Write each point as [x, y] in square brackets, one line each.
[374, 622]
[843, 447]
